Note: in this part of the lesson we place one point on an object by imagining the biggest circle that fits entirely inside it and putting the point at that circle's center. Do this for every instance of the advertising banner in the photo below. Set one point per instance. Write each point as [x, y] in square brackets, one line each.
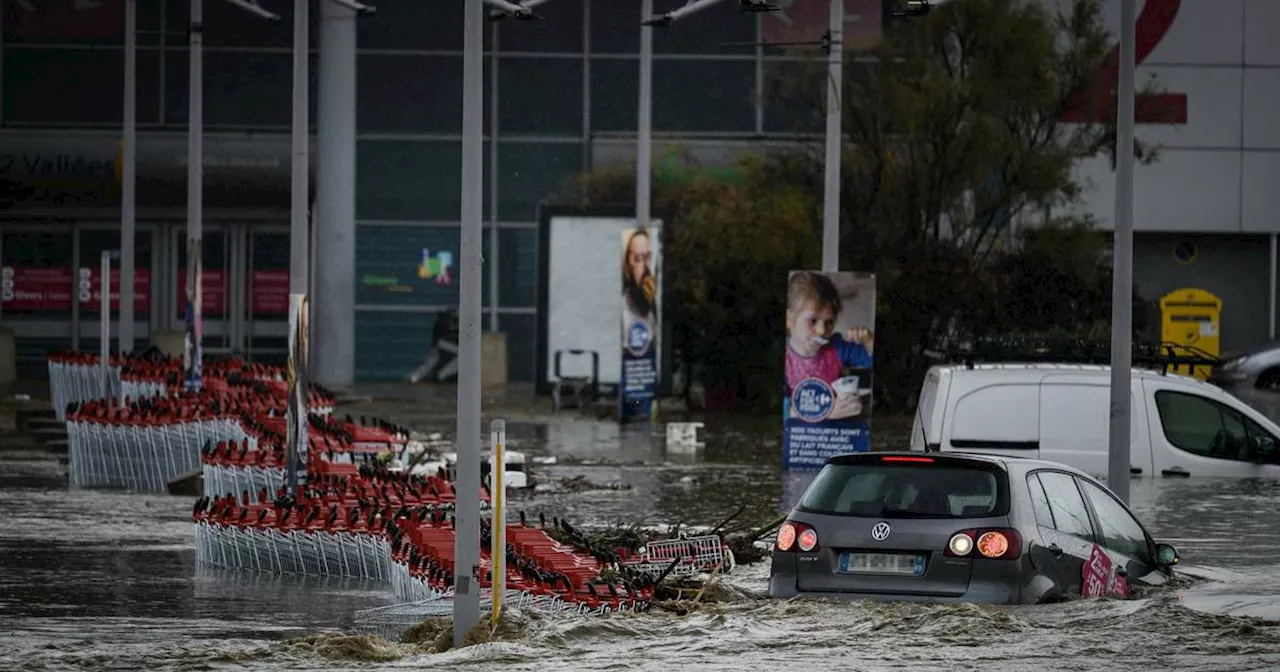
[270, 296]
[638, 384]
[193, 309]
[35, 290]
[90, 290]
[296, 410]
[827, 405]
[213, 288]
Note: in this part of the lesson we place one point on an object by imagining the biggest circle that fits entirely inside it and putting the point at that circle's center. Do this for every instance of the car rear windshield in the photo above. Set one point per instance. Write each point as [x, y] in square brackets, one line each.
[885, 490]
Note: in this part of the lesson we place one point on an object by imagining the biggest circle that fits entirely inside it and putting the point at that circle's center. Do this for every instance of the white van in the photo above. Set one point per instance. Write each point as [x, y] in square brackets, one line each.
[1060, 412]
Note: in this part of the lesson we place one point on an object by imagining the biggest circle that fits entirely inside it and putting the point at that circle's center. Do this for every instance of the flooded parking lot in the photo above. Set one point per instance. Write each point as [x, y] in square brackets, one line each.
[99, 580]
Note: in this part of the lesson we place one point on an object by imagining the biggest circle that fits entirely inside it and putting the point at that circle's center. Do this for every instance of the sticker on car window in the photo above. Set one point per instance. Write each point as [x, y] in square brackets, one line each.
[1100, 577]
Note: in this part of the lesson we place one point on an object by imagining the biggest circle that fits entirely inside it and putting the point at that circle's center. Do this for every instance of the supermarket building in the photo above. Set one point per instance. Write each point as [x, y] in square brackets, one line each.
[566, 101]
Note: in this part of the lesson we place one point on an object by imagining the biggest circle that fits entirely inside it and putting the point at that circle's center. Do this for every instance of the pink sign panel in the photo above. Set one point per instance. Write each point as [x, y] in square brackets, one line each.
[1100, 579]
[90, 290]
[30, 289]
[270, 293]
[213, 290]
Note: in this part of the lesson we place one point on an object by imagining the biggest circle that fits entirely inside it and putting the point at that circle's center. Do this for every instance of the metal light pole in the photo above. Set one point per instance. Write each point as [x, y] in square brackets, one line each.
[493, 180]
[831, 185]
[644, 134]
[466, 604]
[104, 324]
[195, 193]
[298, 229]
[1122, 282]
[128, 176]
[299, 232]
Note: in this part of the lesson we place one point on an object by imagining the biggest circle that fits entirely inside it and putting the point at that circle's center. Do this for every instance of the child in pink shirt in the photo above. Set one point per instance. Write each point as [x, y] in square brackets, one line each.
[813, 349]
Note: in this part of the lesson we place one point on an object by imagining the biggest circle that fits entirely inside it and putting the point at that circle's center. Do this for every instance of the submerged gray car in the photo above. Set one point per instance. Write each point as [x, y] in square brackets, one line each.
[961, 528]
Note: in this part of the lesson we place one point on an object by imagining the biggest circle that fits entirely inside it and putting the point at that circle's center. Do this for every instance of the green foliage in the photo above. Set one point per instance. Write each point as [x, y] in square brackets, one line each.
[957, 181]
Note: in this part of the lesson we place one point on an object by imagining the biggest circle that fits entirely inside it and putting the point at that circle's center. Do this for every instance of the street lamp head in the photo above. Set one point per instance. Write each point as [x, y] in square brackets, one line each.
[521, 11]
[660, 21]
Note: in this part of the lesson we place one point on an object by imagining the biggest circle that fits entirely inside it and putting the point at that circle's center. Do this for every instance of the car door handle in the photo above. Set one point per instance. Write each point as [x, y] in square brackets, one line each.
[1055, 549]
[1176, 471]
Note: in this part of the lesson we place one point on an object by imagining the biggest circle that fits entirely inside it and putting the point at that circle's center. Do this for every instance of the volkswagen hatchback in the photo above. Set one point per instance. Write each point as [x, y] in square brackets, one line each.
[961, 528]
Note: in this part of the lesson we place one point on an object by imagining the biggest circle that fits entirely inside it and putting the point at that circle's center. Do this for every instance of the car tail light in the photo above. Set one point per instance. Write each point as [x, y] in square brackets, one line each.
[808, 540]
[995, 543]
[797, 536]
[786, 537]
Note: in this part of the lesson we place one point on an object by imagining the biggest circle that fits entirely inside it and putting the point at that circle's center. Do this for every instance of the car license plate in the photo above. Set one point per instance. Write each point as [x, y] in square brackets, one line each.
[882, 563]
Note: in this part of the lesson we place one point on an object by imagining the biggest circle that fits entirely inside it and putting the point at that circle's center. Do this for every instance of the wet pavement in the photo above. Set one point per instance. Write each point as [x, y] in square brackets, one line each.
[106, 581]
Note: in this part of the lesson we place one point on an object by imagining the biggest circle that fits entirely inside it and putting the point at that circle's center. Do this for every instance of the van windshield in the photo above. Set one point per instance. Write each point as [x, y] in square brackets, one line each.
[878, 490]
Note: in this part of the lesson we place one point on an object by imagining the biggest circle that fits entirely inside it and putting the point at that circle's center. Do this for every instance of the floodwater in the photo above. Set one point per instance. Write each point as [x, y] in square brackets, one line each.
[107, 581]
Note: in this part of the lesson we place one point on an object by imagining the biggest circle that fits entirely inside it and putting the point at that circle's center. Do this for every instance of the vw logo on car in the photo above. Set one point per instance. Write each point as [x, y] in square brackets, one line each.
[881, 531]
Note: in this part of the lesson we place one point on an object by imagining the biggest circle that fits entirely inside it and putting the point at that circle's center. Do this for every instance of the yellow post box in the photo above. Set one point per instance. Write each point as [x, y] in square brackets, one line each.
[1192, 317]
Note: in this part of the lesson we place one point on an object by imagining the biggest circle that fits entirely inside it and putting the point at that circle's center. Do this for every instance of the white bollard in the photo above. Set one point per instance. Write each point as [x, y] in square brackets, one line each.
[498, 504]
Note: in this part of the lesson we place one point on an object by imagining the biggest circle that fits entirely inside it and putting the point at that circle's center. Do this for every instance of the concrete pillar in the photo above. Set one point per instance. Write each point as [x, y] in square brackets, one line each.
[334, 296]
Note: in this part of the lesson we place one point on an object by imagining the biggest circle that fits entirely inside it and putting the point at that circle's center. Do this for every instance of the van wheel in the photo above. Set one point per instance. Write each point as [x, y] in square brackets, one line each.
[1269, 380]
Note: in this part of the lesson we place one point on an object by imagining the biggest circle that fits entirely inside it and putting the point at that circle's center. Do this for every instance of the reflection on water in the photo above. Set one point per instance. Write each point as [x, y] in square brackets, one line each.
[101, 580]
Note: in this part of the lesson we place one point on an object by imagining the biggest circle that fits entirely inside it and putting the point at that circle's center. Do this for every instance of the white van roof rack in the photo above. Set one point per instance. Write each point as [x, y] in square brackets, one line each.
[1163, 355]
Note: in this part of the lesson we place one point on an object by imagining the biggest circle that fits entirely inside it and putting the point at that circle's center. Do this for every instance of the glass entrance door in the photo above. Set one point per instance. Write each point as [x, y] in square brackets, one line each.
[266, 304]
[94, 239]
[216, 309]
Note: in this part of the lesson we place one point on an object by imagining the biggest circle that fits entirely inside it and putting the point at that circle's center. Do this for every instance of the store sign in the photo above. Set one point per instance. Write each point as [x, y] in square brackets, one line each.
[66, 168]
[63, 19]
[28, 289]
[89, 289]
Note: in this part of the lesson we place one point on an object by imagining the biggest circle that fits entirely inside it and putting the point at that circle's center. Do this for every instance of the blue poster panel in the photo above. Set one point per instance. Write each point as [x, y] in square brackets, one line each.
[826, 408]
[639, 382]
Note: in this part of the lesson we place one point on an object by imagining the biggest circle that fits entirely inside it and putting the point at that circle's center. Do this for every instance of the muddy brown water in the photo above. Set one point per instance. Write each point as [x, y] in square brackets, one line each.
[107, 581]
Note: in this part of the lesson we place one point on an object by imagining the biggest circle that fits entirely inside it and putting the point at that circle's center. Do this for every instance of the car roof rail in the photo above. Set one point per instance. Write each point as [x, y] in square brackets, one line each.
[1158, 355]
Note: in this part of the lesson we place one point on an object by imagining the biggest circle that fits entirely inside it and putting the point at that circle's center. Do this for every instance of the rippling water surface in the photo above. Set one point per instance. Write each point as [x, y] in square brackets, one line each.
[107, 581]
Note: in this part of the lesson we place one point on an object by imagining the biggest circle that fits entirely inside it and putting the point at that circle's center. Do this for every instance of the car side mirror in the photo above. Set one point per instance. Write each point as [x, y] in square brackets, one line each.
[1166, 555]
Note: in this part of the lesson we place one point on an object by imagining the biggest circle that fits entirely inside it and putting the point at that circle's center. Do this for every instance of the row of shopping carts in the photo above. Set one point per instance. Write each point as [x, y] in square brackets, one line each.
[299, 551]
[350, 516]
[151, 432]
[77, 377]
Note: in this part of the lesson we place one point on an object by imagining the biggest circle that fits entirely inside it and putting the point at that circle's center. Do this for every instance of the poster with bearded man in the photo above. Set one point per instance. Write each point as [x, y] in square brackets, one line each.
[638, 386]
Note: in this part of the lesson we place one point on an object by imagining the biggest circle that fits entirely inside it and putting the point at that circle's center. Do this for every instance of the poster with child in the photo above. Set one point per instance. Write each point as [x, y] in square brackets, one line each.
[830, 343]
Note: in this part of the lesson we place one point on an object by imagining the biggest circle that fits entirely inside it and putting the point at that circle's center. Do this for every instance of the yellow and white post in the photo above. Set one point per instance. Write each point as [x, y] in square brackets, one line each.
[498, 505]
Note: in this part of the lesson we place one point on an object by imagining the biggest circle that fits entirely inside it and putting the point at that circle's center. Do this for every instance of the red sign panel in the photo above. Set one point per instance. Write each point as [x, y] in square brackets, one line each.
[63, 19]
[1098, 106]
[32, 289]
[270, 293]
[90, 290]
[213, 287]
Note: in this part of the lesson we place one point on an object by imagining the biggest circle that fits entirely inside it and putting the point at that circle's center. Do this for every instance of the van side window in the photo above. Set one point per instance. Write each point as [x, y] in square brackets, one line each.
[1040, 502]
[1205, 427]
[1070, 516]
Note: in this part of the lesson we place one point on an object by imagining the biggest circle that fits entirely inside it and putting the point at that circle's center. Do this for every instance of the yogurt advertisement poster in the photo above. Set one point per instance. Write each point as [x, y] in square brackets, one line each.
[829, 353]
[639, 381]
